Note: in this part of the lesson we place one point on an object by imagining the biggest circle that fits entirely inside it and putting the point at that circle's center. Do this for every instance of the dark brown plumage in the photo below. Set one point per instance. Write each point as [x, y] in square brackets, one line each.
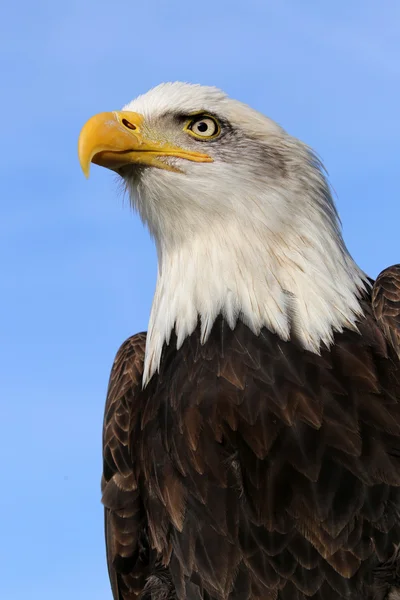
[386, 305]
[251, 468]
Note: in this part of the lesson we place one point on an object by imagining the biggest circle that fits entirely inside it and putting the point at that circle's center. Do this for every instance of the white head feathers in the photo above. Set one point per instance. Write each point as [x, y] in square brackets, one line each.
[253, 235]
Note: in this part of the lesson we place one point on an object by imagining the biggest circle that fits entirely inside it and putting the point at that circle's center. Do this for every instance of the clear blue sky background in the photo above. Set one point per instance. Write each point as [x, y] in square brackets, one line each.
[78, 269]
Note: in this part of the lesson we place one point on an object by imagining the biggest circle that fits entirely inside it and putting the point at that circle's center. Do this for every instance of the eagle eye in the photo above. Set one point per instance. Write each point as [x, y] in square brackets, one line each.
[203, 127]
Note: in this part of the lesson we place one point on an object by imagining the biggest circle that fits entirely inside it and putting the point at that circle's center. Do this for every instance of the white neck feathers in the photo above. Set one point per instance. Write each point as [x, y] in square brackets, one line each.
[304, 281]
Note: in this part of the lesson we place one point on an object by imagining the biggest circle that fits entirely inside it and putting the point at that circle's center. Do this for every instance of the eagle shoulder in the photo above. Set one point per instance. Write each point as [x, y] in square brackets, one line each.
[122, 507]
[386, 305]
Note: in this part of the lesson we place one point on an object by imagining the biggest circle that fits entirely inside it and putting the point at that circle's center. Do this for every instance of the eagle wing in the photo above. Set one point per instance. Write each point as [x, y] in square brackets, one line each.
[386, 304]
[123, 512]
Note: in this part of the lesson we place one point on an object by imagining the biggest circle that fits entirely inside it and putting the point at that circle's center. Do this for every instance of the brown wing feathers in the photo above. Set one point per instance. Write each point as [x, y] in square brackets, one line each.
[123, 510]
[386, 304]
[255, 469]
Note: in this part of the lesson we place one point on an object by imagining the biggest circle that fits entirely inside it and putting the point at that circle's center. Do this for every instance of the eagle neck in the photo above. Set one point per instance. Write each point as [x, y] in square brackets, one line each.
[300, 281]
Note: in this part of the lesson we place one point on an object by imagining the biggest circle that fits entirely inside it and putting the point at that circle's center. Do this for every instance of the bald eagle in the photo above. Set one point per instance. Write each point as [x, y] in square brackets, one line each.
[252, 436]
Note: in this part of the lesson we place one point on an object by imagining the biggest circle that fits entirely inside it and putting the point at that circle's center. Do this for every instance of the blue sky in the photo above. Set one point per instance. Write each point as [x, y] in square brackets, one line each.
[78, 269]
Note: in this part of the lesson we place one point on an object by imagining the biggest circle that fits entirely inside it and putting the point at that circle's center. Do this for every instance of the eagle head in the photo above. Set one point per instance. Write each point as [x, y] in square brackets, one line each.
[241, 213]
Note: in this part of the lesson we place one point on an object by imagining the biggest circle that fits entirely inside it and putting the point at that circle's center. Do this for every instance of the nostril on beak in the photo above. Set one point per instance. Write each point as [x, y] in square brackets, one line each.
[128, 125]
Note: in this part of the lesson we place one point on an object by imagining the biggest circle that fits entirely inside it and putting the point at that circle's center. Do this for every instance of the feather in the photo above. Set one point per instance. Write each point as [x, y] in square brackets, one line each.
[240, 479]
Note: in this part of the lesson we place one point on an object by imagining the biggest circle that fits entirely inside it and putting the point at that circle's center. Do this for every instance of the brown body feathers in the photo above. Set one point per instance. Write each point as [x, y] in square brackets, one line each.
[249, 468]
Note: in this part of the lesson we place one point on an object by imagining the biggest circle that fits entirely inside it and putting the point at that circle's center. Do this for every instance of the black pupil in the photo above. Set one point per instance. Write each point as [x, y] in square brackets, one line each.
[202, 126]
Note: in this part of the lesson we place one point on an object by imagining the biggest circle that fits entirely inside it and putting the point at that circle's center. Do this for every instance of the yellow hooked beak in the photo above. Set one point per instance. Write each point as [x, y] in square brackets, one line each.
[115, 139]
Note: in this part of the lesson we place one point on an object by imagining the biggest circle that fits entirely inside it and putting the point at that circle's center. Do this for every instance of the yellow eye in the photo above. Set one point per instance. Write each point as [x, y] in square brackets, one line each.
[203, 127]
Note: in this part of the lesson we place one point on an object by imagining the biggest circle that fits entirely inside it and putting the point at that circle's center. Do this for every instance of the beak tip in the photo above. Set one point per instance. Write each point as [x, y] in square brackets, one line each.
[84, 163]
[86, 170]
